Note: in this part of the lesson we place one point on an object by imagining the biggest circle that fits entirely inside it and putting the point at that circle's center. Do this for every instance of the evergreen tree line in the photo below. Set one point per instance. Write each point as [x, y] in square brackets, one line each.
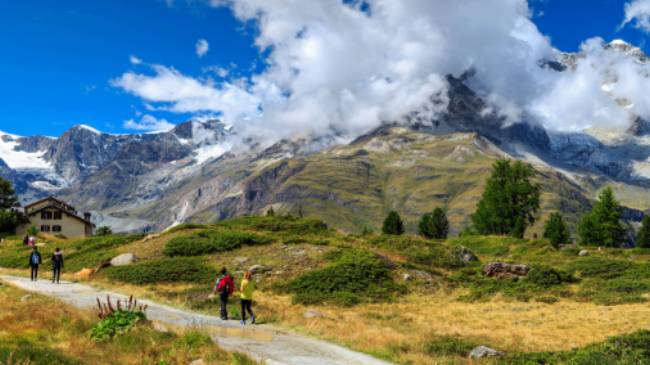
[510, 203]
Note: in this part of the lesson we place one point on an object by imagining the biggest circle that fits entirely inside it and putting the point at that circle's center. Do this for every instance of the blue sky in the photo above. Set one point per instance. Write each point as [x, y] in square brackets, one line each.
[59, 57]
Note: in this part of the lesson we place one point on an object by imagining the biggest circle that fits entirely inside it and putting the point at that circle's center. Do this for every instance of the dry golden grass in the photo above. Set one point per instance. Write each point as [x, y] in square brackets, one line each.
[510, 326]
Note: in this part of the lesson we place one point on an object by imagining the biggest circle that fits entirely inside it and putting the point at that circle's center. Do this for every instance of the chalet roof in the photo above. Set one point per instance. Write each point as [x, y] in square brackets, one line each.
[58, 205]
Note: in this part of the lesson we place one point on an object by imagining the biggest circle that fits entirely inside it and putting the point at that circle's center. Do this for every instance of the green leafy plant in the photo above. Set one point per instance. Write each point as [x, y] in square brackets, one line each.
[117, 320]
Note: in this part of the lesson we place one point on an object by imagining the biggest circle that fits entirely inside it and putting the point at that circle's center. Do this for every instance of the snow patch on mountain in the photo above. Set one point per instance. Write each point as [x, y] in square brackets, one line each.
[16, 159]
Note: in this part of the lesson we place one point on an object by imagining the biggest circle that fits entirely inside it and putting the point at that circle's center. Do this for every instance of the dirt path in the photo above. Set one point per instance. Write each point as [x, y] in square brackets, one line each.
[262, 342]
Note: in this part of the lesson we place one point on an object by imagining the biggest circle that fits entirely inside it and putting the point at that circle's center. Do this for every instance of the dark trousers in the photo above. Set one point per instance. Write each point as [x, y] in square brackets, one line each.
[224, 305]
[56, 274]
[34, 272]
[246, 307]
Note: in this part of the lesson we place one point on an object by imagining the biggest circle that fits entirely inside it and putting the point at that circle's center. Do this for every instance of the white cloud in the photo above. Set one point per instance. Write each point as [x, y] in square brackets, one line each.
[202, 47]
[639, 11]
[334, 67]
[149, 123]
[135, 60]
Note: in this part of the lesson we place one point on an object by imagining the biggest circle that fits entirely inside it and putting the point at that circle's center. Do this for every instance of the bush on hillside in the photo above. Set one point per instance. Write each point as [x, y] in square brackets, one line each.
[103, 231]
[556, 231]
[285, 224]
[434, 225]
[393, 224]
[179, 269]
[353, 277]
[633, 348]
[597, 267]
[546, 277]
[210, 241]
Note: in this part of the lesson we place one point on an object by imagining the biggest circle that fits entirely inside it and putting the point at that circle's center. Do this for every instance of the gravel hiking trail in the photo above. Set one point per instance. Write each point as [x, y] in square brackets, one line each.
[263, 343]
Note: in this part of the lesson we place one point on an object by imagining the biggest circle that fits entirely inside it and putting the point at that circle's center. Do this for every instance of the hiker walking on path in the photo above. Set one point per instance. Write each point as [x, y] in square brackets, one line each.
[57, 265]
[246, 297]
[34, 261]
[225, 285]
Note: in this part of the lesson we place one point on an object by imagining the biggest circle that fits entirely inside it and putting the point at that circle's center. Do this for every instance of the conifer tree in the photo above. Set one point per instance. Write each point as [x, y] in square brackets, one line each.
[643, 237]
[393, 224]
[10, 215]
[510, 200]
[434, 225]
[602, 226]
[270, 212]
[556, 231]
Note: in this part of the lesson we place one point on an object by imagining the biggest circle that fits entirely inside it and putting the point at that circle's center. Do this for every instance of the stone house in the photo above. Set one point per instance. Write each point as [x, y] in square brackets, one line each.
[54, 216]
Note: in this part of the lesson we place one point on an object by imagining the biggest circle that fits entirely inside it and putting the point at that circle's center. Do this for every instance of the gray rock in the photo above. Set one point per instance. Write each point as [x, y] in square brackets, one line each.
[483, 352]
[505, 270]
[583, 253]
[259, 269]
[407, 277]
[198, 362]
[312, 314]
[124, 259]
[464, 254]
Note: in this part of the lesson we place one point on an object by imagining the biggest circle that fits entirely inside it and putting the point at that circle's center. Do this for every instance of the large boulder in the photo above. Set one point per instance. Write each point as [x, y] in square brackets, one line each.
[124, 259]
[505, 270]
[483, 352]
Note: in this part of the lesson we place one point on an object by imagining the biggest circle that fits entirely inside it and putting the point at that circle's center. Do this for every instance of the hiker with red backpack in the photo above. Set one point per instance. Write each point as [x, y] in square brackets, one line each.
[225, 285]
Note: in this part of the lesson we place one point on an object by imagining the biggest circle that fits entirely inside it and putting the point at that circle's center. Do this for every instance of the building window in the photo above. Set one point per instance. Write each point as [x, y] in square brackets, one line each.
[56, 228]
[45, 228]
[46, 215]
[57, 215]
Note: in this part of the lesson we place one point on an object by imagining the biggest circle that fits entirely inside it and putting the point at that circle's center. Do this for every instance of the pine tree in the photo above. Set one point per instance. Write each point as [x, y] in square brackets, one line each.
[103, 231]
[10, 215]
[643, 237]
[393, 224]
[556, 231]
[602, 226]
[270, 212]
[510, 200]
[434, 225]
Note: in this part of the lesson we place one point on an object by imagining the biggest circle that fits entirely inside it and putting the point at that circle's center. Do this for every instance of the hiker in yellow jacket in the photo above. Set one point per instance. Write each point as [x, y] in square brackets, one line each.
[246, 297]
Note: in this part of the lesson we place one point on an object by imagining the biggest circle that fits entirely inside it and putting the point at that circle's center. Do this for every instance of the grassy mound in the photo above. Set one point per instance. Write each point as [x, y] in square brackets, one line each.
[211, 241]
[286, 224]
[180, 269]
[632, 348]
[353, 277]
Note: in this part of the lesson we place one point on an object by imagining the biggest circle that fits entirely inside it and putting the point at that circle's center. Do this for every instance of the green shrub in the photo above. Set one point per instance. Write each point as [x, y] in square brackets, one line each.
[353, 277]
[103, 231]
[546, 277]
[393, 224]
[185, 226]
[449, 346]
[116, 323]
[599, 267]
[285, 224]
[210, 241]
[178, 269]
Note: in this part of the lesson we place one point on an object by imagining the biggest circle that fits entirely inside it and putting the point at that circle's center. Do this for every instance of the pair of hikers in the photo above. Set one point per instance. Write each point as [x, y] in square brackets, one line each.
[225, 286]
[35, 260]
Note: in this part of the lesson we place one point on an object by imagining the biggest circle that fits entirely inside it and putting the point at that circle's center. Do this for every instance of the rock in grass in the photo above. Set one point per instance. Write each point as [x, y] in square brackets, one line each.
[407, 277]
[258, 269]
[464, 254]
[583, 253]
[483, 352]
[198, 362]
[312, 314]
[124, 259]
[504, 270]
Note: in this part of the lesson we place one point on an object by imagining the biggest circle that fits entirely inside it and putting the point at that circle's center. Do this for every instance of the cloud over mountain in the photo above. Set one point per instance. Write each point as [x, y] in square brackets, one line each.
[345, 67]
